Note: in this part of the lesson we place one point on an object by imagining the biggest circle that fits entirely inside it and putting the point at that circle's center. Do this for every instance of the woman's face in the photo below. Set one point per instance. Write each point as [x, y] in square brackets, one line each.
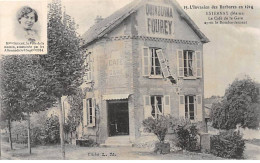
[27, 21]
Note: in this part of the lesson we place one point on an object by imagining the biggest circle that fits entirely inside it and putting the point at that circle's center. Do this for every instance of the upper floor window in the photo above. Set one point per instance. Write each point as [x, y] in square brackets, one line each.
[88, 77]
[155, 66]
[154, 63]
[189, 63]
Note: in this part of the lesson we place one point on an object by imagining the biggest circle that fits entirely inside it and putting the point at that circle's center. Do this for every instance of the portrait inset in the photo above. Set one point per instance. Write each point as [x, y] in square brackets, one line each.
[23, 27]
[27, 17]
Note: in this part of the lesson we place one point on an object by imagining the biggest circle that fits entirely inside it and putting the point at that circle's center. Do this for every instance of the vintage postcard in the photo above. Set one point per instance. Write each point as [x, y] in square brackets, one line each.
[130, 79]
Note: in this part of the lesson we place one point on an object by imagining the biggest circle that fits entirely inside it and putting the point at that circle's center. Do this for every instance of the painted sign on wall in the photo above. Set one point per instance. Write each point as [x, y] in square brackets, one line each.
[115, 70]
[159, 20]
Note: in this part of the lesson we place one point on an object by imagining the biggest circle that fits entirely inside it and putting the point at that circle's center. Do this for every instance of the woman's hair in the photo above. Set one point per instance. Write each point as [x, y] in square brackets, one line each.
[24, 11]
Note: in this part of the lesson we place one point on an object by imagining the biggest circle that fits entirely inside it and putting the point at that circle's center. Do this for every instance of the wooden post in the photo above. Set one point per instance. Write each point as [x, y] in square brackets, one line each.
[10, 135]
[61, 129]
[29, 133]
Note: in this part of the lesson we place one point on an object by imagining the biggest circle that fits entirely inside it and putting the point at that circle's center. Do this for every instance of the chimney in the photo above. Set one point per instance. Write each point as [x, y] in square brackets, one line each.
[98, 19]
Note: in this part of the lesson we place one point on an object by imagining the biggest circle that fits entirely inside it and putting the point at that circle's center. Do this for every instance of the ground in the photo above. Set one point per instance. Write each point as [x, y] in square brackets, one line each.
[52, 152]
[92, 153]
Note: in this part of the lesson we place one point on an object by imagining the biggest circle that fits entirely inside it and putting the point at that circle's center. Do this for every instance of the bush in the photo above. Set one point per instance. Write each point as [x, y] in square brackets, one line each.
[36, 136]
[187, 137]
[157, 126]
[51, 131]
[228, 144]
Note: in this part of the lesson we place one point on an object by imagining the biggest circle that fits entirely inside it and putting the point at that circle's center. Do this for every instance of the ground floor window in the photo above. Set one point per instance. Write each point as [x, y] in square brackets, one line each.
[190, 107]
[157, 107]
[90, 110]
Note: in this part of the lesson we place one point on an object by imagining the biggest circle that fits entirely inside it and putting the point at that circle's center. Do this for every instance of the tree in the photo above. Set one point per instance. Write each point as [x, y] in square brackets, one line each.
[34, 88]
[240, 106]
[10, 109]
[64, 60]
[31, 84]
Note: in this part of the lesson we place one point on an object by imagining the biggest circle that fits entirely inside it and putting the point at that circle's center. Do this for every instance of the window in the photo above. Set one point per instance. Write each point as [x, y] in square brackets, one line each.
[188, 63]
[89, 113]
[155, 66]
[89, 68]
[190, 107]
[154, 63]
[157, 107]
[90, 110]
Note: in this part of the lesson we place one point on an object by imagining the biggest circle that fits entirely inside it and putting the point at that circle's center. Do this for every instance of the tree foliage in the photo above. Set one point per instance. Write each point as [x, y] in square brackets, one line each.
[10, 88]
[24, 87]
[240, 106]
[64, 60]
[75, 115]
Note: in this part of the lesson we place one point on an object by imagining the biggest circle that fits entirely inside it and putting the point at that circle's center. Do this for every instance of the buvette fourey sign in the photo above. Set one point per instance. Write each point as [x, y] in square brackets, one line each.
[159, 20]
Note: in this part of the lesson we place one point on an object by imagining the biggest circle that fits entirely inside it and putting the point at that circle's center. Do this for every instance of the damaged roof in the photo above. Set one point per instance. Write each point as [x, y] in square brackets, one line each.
[105, 26]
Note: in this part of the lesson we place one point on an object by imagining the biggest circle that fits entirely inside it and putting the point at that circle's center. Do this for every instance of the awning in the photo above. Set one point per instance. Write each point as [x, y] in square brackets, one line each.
[115, 96]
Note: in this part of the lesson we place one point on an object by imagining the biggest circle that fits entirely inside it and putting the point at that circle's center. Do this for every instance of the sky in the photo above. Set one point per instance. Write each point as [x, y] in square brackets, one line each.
[233, 50]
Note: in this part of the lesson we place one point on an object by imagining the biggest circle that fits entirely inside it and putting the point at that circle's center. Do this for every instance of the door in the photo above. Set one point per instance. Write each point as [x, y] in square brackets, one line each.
[118, 117]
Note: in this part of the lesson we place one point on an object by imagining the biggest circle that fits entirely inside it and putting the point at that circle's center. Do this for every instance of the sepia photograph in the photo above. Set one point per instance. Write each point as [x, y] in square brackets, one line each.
[130, 80]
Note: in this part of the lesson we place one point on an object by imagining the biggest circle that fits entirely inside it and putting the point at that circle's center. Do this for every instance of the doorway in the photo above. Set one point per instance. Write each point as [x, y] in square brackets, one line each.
[118, 117]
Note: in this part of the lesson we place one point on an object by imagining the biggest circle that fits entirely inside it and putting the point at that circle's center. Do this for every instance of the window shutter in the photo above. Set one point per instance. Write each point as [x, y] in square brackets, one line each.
[198, 64]
[147, 107]
[146, 62]
[163, 63]
[199, 107]
[85, 116]
[194, 64]
[180, 63]
[88, 112]
[181, 106]
[92, 70]
[89, 71]
[93, 112]
[167, 106]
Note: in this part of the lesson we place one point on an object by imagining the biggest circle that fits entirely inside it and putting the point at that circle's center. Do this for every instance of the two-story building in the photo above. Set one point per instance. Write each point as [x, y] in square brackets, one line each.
[144, 60]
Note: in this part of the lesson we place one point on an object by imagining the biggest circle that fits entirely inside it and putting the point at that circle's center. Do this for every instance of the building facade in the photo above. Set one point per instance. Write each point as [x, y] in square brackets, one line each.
[144, 60]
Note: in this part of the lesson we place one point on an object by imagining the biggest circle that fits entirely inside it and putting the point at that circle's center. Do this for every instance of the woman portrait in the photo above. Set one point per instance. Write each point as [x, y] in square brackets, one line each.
[27, 17]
